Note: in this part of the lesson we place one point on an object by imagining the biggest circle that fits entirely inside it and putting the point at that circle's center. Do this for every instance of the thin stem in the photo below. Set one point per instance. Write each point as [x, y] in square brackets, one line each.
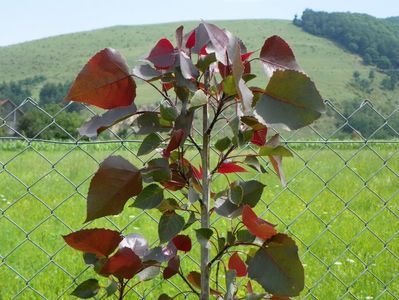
[164, 95]
[195, 143]
[121, 289]
[205, 218]
[226, 247]
[132, 287]
[224, 157]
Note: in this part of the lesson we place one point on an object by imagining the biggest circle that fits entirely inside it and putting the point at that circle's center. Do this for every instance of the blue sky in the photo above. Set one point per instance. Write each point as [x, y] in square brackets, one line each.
[24, 20]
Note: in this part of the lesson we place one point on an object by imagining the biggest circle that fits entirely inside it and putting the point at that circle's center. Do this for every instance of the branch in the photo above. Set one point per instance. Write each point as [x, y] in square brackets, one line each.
[224, 157]
[194, 143]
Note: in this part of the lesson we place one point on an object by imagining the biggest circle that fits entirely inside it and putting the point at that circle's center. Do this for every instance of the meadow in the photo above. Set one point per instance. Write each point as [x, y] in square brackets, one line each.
[341, 206]
[61, 57]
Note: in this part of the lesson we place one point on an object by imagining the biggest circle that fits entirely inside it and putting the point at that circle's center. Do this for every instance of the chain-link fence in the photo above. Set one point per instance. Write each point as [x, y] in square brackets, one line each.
[341, 203]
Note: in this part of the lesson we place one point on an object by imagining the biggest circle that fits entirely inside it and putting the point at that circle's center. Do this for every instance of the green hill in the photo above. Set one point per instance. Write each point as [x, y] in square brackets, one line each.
[60, 58]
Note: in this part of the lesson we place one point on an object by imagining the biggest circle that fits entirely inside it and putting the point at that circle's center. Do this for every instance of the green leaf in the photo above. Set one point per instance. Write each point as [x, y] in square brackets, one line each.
[193, 196]
[226, 208]
[168, 205]
[236, 194]
[244, 137]
[149, 144]
[203, 235]
[190, 221]
[98, 124]
[168, 112]
[290, 101]
[169, 226]
[157, 170]
[221, 243]
[235, 125]
[277, 268]
[111, 288]
[150, 197]
[279, 150]
[223, 144]
[229, 86]
[245, 236]
[90, 258]
[253, 162]
[149, 273]
[87, 289]
[230, 238]
[149, 122]
[164, 297]
[199, 99]
[115, 182]
[252, 191]
[147, 72]
[205, 62]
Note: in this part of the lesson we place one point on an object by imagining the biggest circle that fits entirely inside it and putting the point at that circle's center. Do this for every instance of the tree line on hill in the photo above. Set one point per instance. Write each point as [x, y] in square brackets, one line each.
[375, 40]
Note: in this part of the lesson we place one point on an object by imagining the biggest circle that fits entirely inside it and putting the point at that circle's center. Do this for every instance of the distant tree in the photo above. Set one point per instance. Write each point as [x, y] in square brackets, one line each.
[35, 123]
[53, 93]
[15, 91]
[371, 75]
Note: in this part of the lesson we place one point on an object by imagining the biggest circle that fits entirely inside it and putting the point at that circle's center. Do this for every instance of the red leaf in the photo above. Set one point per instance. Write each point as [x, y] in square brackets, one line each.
[163, 54]
[203, 51]
[259, 137]
[177, 182]
[195, 279]
[172, 268]
[104, 81]
[226, 168]
[224, 70]
[276, 160]
[197, 172]
[277, 166]
[258, 227]
[249, 287]
[124, 264]
[236, 263]
[175, 141]
[182, 242]
[115, 182]
[245, 56]
[101, 242]
[167, 86]
[191, 40]
[277, 54]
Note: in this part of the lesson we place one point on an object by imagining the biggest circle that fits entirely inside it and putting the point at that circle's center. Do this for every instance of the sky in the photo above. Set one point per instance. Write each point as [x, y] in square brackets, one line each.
[25, 20]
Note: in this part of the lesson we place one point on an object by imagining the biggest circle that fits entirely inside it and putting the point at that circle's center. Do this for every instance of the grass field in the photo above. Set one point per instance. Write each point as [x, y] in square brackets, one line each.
[341, 206]
[60, 58]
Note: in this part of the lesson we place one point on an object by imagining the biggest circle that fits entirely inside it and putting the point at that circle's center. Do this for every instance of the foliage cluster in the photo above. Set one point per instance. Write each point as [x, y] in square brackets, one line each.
[206, 73]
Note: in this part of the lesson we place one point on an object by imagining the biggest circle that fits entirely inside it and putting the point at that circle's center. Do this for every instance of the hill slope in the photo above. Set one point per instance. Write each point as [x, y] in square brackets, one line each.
[60, 58]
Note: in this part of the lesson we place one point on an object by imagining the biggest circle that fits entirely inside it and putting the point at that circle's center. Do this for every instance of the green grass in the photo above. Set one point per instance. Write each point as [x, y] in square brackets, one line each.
[60, 58]
[341, 207]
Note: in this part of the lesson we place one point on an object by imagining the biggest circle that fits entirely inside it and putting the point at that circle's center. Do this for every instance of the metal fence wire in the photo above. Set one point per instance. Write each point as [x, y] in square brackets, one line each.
[341, 204]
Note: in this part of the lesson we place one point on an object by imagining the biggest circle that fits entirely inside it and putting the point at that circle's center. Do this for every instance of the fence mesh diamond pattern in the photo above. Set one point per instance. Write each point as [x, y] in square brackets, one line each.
[341, 205]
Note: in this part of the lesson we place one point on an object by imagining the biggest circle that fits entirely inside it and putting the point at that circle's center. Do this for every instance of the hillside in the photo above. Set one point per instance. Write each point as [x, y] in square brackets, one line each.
[60, 58]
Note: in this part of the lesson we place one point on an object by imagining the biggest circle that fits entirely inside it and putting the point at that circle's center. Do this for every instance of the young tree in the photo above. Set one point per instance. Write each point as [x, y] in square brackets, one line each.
[205, 74]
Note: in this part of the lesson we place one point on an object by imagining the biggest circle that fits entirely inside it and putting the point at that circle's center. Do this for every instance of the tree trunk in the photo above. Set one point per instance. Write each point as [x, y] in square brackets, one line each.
[205, 271]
